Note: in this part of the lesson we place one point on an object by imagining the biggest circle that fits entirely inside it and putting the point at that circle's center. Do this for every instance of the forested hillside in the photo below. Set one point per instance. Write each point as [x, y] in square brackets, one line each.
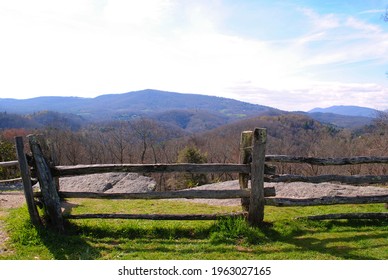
[164, 127]
[144, 140]
[40, 120]
[133, 104]
[191, 112]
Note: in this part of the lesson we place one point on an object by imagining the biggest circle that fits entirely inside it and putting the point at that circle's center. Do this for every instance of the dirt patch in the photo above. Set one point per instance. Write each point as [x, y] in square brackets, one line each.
[11, 199]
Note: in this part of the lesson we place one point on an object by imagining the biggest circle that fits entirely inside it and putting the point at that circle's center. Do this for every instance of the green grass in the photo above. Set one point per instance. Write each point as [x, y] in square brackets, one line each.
[281, 237]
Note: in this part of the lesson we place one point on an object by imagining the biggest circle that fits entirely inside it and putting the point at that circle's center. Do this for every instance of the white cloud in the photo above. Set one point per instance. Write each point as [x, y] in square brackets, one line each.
[362, 26]
[317, 95]
[321, 22]
[372, 11]
[137, 13]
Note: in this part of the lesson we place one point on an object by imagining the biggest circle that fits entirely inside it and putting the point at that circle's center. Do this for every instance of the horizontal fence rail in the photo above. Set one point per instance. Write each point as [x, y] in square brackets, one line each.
[9, 163]
[327, 200]
[10, 181]
[337, 216]
[326, 161]
[157, 216]
[188, 194]
[351, 180]
[63, 171]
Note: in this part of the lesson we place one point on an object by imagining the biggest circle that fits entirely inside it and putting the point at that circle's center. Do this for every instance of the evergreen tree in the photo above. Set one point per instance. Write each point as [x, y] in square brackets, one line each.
[192, 155]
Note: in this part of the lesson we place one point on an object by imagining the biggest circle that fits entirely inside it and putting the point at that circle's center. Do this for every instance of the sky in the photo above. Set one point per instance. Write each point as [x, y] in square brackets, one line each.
[291, 55]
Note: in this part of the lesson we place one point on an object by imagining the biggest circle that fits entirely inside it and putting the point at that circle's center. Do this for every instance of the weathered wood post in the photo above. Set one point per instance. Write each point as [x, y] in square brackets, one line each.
[245, 158]
[256, 207]
[53, 159]
[49, 152]
[26, 178]
[47, 185]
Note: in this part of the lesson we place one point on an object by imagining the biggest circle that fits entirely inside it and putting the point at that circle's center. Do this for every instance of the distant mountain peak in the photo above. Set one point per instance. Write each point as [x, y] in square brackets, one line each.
[348, 110]
[140, 103]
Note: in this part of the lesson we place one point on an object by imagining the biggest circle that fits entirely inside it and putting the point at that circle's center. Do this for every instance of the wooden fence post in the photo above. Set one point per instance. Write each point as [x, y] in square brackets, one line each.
[245, 158]
[49, 152]
[47, 185]
[256, 207]
[26, 178]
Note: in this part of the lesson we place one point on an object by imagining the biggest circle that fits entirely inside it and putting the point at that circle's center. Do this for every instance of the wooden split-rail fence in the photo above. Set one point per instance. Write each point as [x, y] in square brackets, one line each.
[6, 164]
[252, 172]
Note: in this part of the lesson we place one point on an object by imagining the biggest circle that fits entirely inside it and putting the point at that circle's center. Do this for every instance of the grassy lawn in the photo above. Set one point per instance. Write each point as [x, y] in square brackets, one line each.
[282, 237]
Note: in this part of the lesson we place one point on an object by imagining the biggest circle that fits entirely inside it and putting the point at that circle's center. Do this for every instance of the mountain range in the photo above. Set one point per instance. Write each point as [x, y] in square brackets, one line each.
[142, 102]
[355, 111]
[192, 112]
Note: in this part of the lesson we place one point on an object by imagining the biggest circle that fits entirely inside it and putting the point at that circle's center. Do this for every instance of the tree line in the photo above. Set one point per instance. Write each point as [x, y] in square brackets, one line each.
[144, 140]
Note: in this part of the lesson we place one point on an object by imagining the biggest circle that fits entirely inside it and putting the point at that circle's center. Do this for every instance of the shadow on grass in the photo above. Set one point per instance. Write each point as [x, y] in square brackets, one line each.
[94, 241]
[222, 239]
[344, 249]
[68, 246]
[30, 242]
[133, 231]
[136, 242]
[344, 239]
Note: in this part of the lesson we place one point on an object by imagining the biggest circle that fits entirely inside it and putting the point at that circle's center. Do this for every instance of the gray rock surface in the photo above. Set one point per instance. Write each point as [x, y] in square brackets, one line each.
[108, 182]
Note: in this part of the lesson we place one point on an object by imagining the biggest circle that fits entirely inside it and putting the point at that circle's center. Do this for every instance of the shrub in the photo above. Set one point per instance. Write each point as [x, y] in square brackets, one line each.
[191, 155]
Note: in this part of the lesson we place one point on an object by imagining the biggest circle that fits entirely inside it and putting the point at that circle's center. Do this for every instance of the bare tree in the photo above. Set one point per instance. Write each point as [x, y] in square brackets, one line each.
[72, 148]
[120, 141]
[151, 136]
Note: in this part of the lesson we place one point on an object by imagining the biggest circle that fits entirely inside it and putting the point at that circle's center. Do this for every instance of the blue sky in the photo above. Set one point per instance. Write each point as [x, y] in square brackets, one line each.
[292, 55]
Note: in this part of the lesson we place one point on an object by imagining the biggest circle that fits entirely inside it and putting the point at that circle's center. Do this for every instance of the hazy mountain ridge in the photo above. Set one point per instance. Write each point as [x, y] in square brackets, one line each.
[190, 112]
[137, 102]
[345, 110]
[341, 120]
